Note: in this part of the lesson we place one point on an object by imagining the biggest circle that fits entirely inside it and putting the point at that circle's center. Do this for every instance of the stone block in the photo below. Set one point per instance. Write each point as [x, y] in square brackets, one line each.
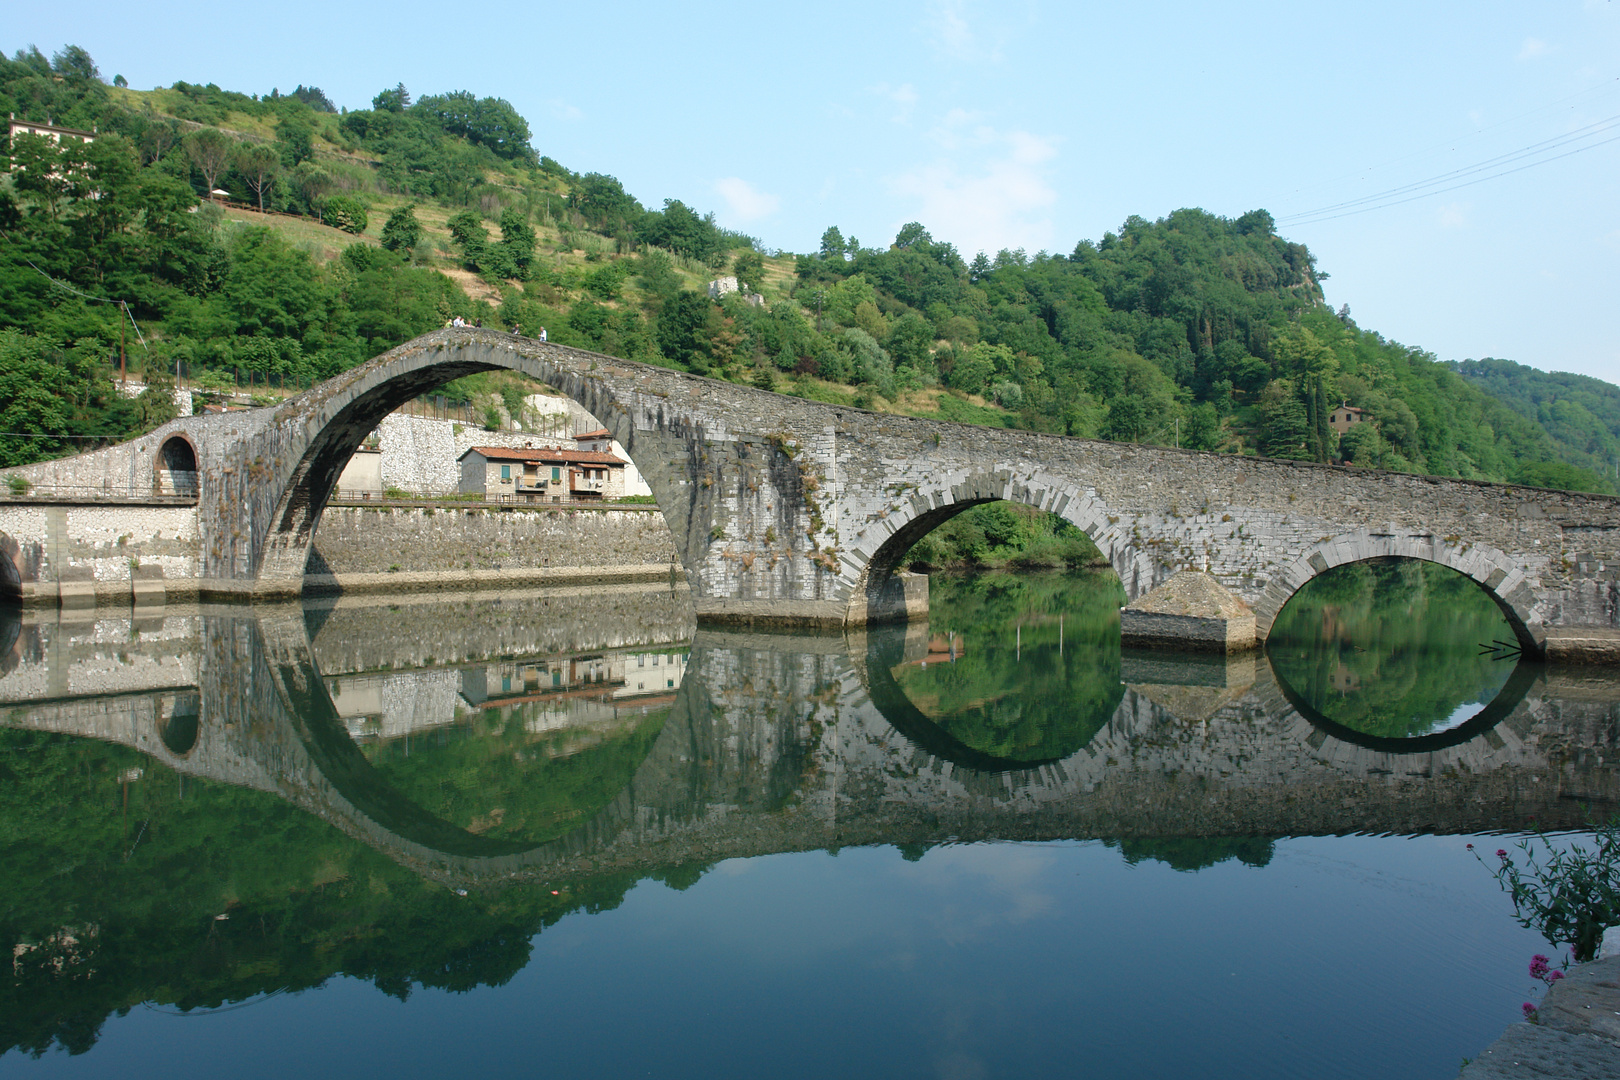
[1190, 611]
[74, 595]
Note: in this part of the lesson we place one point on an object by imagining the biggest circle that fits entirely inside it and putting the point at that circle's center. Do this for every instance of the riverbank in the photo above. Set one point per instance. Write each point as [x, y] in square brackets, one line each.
[1576, 1031]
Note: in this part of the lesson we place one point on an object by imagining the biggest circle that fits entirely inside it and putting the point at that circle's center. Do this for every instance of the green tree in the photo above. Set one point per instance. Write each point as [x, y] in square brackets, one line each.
[396, 100]
[832, 244]
[517, 243]
[749, 269]
[347, 213]
[402, 232]
[210, 153]
[259, 167]
[296, 138]
[1128, 420]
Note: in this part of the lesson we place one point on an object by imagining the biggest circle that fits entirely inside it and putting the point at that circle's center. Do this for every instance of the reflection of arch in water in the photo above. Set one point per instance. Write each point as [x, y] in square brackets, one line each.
[886, 649]
[10, 632]
[179, 724]
[1503, 705]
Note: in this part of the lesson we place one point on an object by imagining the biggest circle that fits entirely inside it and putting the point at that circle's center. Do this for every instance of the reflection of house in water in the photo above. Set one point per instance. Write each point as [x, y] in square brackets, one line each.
[1343, 679]
[589, 697]
[942, 649]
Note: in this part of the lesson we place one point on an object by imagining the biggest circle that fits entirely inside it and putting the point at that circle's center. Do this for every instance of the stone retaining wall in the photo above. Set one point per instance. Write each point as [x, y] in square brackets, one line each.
[490, 540]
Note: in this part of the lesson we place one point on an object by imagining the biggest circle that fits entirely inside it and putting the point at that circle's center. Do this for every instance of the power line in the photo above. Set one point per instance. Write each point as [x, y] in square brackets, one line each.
[1606, 87]
[77, 292]
[1311, 217]
[1545, 145]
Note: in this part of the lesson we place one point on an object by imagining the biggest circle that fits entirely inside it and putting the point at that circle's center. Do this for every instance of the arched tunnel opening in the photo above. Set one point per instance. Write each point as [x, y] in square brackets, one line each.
[1399, 651]
[176, 467]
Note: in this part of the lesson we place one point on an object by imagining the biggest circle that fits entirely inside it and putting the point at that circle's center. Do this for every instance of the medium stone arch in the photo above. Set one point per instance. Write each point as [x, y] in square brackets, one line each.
[1501, 578]
[931, 506]
[335, 418]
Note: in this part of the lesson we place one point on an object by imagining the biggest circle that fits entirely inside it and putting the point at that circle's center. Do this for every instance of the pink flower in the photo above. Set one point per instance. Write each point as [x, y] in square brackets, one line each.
[1470, 847]
[1501, 853]
[1554, 977]
[1529, 1010]
[1538, 966]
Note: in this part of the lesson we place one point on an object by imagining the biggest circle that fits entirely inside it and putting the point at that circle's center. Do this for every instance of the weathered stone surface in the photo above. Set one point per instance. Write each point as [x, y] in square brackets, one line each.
[1528, 1051]
[454, 539]
[1584, 645]
[1190, 611]
[1586, 1001]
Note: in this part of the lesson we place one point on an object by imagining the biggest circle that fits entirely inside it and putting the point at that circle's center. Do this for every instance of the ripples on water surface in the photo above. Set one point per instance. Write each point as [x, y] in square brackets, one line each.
[568, 834]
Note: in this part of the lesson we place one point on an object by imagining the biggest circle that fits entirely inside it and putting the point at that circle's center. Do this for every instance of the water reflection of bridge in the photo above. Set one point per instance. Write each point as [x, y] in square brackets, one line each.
[783, 743]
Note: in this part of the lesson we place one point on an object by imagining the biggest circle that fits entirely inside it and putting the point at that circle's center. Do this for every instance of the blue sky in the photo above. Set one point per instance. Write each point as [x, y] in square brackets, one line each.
[1030, 124]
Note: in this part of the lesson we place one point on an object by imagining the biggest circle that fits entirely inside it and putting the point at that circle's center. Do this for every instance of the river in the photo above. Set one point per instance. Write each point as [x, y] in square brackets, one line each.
[572, 834]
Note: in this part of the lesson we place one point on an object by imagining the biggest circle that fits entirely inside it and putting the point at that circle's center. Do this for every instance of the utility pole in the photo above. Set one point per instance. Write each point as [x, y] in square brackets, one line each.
[123, 371]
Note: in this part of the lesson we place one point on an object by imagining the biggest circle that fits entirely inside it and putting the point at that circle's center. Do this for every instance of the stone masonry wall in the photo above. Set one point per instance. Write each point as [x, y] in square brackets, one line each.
[375, 540]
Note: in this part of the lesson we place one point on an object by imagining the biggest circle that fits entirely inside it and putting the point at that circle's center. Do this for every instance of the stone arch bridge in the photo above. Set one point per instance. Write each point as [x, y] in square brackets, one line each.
[797, 512]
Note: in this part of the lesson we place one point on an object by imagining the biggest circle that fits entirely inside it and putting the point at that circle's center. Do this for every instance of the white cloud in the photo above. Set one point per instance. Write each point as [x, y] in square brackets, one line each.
[562, 110]
[1533, 48]
[745, 203]
[1454, 215]
[904, 97]
[948, 29]
[990, 190]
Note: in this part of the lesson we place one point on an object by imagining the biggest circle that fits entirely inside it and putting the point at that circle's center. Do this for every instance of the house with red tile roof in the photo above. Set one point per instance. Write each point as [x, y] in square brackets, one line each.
[541, 474]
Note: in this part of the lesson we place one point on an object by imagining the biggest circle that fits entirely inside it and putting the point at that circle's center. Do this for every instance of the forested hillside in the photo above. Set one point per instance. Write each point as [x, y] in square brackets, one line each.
[1582, 414]
[341, 233]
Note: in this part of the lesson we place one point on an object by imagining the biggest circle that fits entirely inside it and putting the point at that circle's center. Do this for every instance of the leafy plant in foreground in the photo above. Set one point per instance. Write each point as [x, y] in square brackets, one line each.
[1570, 895]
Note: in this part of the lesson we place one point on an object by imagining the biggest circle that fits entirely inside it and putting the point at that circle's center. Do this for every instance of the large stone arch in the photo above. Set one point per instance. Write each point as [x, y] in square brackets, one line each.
[933, 504]
[330, 423]
[1501, 578]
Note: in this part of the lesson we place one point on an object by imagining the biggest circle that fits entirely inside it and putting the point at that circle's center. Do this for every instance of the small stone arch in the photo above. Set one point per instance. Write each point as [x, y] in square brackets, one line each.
[1501, 578]
[873, 563]
[174, 467]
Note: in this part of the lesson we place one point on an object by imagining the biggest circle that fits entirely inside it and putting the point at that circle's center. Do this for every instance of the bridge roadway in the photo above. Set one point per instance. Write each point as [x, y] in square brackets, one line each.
[778, 744]
[792, 511]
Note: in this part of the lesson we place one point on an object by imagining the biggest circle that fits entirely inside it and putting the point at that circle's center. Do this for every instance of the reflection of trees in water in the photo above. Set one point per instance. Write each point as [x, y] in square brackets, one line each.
[1013, 693]
[111, 908]
[1390, 647]
[1190, 853]
[491, 775]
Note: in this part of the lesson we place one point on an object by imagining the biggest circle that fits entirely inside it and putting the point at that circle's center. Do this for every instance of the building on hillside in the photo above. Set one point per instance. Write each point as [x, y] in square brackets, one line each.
[543, 474]
[723, 286]
[1346, 417]
[46, 130]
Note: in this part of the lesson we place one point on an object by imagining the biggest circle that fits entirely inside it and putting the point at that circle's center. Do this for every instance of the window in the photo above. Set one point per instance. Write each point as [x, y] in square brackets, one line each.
[506, 472]
[556, 474]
